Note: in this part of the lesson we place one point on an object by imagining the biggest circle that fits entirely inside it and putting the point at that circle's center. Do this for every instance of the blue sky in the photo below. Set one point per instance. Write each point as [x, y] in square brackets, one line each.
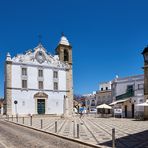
[107, 36]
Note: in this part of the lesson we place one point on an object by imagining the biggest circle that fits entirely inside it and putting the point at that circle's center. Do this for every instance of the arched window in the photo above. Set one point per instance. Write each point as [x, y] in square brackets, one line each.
[66, 56]
[88, 102]
[93, 103]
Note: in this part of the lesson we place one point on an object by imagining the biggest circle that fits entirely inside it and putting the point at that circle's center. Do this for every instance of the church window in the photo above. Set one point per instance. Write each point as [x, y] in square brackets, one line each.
[55, 85]
[24, 83]
[24, 71]
[55, 74]
[66, 55]
[40, 73]
[40, 83]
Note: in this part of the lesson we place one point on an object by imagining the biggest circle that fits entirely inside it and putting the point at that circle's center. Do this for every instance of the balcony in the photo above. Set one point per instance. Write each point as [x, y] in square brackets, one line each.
[128, 94]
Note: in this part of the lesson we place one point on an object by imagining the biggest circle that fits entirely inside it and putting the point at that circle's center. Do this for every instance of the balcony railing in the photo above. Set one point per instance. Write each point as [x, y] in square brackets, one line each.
[125, 95]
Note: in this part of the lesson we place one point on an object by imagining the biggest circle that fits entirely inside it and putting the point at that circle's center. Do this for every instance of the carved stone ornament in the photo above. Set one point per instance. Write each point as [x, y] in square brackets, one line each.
[40, 95]
[40, 57]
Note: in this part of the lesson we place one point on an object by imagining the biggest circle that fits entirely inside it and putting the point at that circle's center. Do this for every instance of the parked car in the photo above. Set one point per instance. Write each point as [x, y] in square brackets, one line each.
[93, 110]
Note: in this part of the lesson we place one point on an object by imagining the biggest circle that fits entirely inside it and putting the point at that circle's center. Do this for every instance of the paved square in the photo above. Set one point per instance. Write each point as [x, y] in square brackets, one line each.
[129, 133]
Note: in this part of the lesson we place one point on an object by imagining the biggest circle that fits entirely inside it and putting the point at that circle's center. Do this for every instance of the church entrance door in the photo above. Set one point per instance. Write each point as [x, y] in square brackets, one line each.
[41, 106]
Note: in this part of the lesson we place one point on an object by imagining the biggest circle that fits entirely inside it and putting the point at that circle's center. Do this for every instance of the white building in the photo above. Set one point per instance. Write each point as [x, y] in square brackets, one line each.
[38, 83]
[104, 93]
[127, 92]
[105, 86]
[90, 101]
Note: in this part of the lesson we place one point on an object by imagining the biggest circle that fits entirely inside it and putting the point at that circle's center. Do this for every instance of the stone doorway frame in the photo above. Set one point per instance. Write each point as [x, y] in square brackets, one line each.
[40, 95]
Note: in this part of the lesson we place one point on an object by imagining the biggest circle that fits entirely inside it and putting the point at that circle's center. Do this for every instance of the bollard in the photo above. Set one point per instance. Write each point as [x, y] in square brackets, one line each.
[12, 117]
[113, 138]
[55, 126]
[41, 123]
[30, 120]
[8, 117]
[73, 129]
[77, 130]
[16, 118]
[23, 120]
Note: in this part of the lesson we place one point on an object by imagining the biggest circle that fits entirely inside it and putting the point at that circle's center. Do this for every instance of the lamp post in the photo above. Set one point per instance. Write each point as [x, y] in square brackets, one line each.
[145, 57]
[15, 102]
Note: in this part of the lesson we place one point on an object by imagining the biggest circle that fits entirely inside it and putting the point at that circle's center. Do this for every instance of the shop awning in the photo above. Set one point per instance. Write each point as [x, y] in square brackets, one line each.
[119, 101]
[143, 104]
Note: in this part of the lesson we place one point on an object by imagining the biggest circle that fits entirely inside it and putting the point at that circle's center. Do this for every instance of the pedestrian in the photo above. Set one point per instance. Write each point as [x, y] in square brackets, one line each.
[87, 111]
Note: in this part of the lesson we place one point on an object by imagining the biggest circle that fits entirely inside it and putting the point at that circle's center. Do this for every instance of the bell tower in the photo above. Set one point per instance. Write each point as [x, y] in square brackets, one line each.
[64, 50]
[8, 85]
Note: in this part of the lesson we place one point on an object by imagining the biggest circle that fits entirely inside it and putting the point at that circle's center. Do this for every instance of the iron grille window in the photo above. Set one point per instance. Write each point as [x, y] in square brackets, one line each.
[55, 86]
[24, 83]
[40, 73]
[55, 74]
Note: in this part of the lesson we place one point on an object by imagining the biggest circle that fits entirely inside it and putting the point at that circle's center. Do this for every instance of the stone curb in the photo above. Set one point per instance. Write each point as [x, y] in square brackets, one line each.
[56, 135]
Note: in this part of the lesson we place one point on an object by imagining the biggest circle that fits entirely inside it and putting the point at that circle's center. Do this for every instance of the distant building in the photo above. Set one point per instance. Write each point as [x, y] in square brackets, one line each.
[37, 82]
[126, 93]
[105, 86]
[90, 102]
[104, 93]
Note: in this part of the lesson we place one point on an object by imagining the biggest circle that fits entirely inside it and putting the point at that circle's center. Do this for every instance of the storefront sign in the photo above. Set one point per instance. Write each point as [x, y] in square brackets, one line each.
[118, 111]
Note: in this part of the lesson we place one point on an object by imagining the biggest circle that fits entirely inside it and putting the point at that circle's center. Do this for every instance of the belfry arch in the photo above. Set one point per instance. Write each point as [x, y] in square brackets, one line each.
[66, 55]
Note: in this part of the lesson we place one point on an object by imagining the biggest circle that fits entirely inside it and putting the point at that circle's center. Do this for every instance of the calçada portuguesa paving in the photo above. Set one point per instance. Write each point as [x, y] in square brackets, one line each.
[129, 133]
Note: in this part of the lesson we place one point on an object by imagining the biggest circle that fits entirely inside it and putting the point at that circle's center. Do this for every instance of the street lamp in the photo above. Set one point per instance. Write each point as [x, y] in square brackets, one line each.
[15, 102]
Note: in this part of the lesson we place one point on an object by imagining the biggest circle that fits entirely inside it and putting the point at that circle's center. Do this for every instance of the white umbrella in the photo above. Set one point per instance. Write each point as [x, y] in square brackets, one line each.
[143, 104]
[105, 106]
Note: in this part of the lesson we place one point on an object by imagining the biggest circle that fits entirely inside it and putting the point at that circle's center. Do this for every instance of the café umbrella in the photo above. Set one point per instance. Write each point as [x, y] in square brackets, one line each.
[105, 106]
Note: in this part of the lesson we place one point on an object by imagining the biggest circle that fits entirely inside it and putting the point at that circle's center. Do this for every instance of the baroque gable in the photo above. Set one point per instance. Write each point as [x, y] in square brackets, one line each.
[39, 56]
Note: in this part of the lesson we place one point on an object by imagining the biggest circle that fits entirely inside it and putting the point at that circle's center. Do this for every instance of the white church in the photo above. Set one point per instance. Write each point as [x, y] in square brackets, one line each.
[37, 82]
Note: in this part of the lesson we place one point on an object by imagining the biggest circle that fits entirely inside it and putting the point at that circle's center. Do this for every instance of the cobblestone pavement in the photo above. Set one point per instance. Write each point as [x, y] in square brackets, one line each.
[15, 136]
[128, 133]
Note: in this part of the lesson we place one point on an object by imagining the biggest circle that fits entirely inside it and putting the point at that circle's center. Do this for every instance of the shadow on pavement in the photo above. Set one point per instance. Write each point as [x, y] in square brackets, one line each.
[138, 140]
